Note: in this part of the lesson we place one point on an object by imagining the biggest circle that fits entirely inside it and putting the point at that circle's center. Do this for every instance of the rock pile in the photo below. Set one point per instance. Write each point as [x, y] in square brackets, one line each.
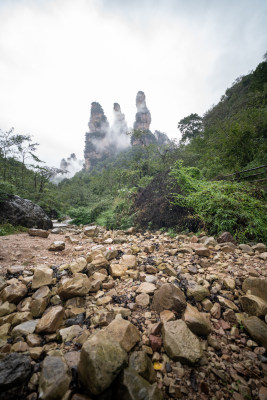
[137, 316]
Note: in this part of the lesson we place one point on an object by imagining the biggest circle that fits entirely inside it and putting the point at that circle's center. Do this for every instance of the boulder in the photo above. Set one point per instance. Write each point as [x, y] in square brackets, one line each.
[38, 232]
[180, 343]
[39, 301]
[169, 297]
[256, 286]
[14, 293]
[198, 323]
[91, 231]
[123, 332]
[18, 211]
[51, 321]
[54, 378]
[132, 386]
[141, 363]
[198, 292]
[24, 329]
[78, 265]
[146, 287]
[101, 361]
[226, 237]
[128, 261]
[15, 369]
[7, 308]
[43, 275]
[78, 285]
[69, 333]
[253, 305]
[58, 245]
[257, 329]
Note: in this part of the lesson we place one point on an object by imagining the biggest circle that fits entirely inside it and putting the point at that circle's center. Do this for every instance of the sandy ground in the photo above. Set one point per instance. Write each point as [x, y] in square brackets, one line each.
[22, 249]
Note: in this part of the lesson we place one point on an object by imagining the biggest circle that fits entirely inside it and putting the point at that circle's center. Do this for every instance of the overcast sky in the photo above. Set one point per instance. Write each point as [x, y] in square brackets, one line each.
[58, 56]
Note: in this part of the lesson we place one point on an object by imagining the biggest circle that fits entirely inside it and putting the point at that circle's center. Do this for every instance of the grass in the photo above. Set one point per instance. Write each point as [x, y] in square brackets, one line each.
[8, 229]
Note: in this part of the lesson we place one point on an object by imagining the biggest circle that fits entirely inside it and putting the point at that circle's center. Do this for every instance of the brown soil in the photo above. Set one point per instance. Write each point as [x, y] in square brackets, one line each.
[22, 249]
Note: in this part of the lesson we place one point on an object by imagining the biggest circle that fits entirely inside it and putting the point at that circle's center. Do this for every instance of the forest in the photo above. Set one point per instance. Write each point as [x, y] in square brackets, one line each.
[122, 191]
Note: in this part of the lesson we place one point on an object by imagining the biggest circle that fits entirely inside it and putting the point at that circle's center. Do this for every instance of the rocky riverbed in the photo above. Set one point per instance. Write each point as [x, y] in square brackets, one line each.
[87, 313]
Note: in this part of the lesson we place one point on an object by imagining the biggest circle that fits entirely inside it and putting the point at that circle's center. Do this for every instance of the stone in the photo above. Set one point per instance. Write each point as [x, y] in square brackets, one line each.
[43, 276]
[72, 358]
[117, 270]
[253, 305]
[34, 340]
[202, 251]
[133, 387]
[38, 232]
[128, 260]
[263, 393]
[256, 287]
[166, 316]
[78, 265]
[14, 293]
[257, 329]
[25, 328]
[227, 303]
[260, 247]
[15, 269]
[246, 248]
[78, 285]
[51, 321]
[15, 369]
[101, 361]
[142, 300]
[4, 329]
[54, 378]
[228, 247]
[69, 333]
[99, 262]
[58, 245]
[146, 287]
[91, 231]
[18, 211]
[19, 347]
[198, 323]
[226, 237]
[123, 332]
[3, 283]
[180, 343]
[155, 343]
[7, 308]
[263, 256]
[141, 363]
[168, 297]
[229, 283]
[40, 301]
[198, 292]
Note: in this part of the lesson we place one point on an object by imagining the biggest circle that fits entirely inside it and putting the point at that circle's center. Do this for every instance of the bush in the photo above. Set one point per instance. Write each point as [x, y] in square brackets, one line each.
[8, 229]
[6, 188]
[223, 206]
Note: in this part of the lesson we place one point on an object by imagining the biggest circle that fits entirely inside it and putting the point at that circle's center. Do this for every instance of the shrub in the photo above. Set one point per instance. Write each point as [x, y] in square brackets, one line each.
[239, 208]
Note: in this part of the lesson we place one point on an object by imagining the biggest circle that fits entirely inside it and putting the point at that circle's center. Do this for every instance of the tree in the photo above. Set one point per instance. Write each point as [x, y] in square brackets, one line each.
[7, 141]
[25, 150]
[190, 127]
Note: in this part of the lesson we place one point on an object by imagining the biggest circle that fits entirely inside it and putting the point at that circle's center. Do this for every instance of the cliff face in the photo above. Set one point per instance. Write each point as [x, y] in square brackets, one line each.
[94, 139]
[102, 141]
[143, 116]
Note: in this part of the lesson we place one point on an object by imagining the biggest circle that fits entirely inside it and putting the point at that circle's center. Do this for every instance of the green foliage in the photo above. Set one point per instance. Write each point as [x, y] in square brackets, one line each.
[223, 206]
[190, 127]
[8, 229]
[6, 188]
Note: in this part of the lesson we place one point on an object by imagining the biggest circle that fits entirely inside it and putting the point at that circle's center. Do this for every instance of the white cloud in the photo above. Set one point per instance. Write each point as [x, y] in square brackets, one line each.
[57, 56]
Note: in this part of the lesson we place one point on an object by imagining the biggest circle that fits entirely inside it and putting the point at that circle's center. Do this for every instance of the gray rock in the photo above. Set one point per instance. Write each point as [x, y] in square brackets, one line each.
[54, 378]
[15, 369]
[180, 343]
[198, 323]
[18, 211]
[25, 328]
[257, 329]
[169, 297]
[101, 361]
[198, 292]
[141, 363]
[132, 386]
[226, 237]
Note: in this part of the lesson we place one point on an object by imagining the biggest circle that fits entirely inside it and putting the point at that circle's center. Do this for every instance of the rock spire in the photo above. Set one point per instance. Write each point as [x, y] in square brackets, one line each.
[94, 139]
[143, 116]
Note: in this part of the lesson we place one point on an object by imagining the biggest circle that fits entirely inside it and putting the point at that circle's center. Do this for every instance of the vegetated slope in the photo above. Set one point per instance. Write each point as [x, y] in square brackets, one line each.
[233, 134]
